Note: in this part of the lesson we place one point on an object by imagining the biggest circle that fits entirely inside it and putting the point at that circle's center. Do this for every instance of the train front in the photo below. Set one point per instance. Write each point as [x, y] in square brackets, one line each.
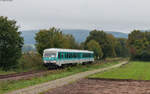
[49, 58]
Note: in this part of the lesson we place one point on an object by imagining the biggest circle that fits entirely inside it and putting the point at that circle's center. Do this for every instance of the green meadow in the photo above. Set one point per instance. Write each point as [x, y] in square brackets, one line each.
[135, 70]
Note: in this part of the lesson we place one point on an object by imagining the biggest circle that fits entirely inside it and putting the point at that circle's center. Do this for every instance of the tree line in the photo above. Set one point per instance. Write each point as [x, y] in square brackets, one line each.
[104, 45]
[139, 45]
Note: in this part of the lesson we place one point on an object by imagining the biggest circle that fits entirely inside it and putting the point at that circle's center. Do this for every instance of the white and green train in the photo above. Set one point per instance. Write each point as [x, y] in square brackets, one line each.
[59, 57]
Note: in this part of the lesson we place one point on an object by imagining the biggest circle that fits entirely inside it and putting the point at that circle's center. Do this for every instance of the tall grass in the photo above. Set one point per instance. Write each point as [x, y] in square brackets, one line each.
[30, 62]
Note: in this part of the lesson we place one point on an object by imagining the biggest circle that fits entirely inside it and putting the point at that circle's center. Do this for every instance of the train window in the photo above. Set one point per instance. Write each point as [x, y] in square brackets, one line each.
[62, 55]
[74, 55]
[69, 55]
[79, 55]
[83, 55]
[59, 55]
[65, 55]
[92, 55]
[50, 54]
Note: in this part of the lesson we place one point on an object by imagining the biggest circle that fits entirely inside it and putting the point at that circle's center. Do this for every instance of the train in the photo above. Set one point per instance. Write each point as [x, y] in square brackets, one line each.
[59, 57]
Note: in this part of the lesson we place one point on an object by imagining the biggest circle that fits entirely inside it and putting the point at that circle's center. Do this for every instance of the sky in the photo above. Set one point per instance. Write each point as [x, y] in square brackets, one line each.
[108, 15]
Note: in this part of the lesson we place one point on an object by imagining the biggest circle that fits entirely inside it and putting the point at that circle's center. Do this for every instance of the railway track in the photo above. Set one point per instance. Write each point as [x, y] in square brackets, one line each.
[23, 75]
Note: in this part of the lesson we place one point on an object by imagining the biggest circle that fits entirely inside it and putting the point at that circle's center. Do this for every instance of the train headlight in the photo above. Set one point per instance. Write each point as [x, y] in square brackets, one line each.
[53, 61]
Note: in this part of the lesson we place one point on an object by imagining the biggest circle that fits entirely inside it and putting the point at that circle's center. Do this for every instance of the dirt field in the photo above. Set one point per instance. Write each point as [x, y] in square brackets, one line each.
[90, 86]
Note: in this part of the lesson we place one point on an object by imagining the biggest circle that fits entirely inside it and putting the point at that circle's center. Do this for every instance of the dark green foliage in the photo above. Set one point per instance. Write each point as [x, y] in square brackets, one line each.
[121, 48]
[106, 41]
[10, 43]
[53, 38]
[94, 46]
[110, 47]
[139, 45]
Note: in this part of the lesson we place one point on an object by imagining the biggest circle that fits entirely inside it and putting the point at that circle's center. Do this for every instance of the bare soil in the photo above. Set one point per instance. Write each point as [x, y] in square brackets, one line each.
[99, 86]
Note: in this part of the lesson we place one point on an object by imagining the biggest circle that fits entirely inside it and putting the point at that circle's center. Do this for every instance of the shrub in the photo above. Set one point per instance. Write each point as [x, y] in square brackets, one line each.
[30, 62]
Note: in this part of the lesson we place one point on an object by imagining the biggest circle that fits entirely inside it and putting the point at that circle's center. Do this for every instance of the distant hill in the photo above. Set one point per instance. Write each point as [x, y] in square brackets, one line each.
[145, 30]
[79, 34]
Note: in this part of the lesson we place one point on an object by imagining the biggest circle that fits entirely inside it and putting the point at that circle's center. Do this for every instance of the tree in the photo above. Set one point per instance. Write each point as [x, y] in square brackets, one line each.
[48, 39]
[10, 43]
[110, 51]
[70, 42]
[139, 45]
[94, 46]
[106, 41]
[53, 38]
[121, 47]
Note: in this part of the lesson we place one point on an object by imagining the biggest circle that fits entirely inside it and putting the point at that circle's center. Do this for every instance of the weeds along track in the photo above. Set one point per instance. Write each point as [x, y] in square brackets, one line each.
[24, 75]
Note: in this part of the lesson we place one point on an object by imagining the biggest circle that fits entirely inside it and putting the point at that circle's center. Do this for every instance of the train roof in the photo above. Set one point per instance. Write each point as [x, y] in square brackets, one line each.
[67, 50]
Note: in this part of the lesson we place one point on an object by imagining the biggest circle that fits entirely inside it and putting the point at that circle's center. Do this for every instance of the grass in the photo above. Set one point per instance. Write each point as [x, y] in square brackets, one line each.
[135, 70]
[6, 86]
[6, 72]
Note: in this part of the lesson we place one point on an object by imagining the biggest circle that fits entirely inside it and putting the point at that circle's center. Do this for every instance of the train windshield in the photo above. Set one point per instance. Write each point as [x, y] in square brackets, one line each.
[50, 55]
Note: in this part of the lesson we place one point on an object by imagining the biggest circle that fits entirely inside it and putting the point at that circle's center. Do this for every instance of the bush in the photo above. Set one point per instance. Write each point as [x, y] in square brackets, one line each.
[145, 56]
[30, 62]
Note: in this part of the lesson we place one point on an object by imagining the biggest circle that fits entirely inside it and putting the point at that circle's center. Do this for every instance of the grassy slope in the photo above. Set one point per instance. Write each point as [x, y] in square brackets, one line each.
[6, 72]
[13, 85]
[134, 70]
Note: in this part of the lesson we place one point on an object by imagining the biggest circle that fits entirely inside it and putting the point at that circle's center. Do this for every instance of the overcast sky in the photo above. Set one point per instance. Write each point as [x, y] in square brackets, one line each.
[112, 15]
